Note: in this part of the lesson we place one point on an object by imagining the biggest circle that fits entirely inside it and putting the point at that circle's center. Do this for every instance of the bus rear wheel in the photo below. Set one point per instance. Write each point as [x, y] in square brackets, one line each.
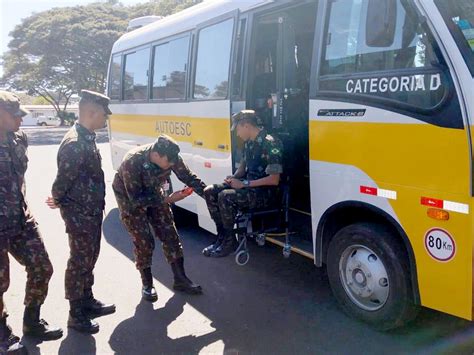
[368, 272]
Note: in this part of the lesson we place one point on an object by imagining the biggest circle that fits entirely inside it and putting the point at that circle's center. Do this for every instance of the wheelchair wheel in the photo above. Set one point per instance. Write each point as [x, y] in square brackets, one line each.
[242, 257]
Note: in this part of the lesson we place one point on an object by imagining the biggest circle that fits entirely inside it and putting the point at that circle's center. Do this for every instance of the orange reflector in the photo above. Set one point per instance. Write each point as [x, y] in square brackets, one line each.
[441, 215]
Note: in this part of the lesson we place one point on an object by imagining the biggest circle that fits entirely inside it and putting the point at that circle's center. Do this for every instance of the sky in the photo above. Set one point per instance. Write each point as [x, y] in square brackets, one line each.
[13, 11]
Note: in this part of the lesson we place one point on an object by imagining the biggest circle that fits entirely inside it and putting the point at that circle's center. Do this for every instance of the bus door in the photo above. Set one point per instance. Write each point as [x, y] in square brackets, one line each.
[210, 105]
[278, 90]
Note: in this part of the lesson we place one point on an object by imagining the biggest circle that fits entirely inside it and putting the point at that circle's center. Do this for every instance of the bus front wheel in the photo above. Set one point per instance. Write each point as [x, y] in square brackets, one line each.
[368, 272]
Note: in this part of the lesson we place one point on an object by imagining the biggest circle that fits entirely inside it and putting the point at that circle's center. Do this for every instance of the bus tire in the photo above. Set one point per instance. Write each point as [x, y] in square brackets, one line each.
[368, 272]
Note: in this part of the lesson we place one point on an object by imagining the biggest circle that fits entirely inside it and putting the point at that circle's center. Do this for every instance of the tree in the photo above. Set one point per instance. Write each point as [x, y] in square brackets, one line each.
[56, 53]
[161, 7]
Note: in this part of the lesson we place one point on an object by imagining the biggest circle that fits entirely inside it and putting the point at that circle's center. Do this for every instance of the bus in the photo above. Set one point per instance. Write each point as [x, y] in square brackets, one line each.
[374, 101]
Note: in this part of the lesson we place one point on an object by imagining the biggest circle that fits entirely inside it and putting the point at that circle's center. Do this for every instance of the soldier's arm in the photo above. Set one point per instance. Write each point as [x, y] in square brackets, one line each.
[138, 198]
[185, 175]
[240, 173]
[70, 160]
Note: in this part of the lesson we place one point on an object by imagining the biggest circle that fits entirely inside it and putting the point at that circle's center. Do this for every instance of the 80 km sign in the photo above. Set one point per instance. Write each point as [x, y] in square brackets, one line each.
[440, 245]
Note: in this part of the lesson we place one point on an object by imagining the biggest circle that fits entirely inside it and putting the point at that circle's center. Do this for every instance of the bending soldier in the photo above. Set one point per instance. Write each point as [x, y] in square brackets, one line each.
[139, 187]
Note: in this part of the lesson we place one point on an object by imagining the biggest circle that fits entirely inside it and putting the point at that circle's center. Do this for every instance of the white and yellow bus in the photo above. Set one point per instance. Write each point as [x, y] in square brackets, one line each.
[375, 101]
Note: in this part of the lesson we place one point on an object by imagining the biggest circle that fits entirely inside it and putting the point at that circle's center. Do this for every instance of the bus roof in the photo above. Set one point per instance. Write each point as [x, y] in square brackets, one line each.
[183, 21]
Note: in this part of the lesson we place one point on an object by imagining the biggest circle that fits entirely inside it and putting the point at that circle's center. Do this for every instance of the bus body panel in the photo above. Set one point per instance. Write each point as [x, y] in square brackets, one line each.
[411, 162]
[201, 128]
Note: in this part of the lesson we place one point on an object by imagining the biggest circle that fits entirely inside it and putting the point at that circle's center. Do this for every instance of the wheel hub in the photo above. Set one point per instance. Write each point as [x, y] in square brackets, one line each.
[364, 277]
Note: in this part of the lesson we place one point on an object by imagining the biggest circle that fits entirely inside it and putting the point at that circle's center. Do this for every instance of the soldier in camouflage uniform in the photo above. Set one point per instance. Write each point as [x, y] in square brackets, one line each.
[140, 187]
[254, 185]
[79, 192]
[19, 234]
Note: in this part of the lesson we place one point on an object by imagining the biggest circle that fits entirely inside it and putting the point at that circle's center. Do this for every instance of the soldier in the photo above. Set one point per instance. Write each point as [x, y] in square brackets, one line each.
[140, 187]
[254, 184]
[79, 192]
[19, 234]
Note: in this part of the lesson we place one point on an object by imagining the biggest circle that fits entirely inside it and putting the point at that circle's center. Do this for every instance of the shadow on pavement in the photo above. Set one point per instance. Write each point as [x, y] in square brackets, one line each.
[270, 306]
[147, 330]
[77, 343]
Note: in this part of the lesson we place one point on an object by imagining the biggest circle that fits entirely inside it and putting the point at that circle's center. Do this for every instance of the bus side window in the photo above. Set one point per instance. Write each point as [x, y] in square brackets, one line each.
[169, 69]
[115, 76]
[135, 78]
[347, 50]
[237, 71]
[213, 60]
[407, 74]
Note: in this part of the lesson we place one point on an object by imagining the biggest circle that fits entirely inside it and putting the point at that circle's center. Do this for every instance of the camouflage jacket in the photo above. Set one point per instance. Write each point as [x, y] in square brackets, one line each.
[140, 182]
[263, 156]
[80, 181]
[13, 165]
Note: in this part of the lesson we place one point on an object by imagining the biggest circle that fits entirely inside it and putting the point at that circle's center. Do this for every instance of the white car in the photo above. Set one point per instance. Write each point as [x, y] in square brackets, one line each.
[48, 121]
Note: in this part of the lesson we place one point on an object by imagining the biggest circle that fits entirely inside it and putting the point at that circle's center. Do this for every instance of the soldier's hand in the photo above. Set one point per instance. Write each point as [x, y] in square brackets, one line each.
[175, 197]
[51, 204]
[236, 184]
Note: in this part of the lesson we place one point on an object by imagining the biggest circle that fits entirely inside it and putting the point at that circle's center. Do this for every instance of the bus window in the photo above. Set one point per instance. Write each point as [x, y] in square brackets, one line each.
[135, 79]
[115, 74]
[459, 16]
[213, 59]
[348, 52]
[408, 75]
[239, 60]
[169, 69]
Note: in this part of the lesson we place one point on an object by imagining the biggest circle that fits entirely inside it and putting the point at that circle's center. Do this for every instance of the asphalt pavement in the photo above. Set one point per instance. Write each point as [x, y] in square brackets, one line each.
[270, 306]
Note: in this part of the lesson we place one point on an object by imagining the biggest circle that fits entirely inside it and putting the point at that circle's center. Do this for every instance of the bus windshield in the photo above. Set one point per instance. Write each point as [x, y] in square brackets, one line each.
[459, 16]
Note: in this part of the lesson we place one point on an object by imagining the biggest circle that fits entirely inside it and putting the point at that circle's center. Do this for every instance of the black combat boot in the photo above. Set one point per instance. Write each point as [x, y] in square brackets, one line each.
[38, 328]
[207, 251]
[9, 342]
[227, 246]
[181, 281]
[148, 290]
[79, 321]
[95, 308]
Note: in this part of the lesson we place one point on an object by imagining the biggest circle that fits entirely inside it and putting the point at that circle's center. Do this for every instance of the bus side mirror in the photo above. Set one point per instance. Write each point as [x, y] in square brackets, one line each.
[380, 23]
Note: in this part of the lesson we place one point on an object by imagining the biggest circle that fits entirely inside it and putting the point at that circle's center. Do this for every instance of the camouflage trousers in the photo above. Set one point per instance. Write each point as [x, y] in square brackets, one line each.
[224, 202]
[84, 234]
[144, 226]
[23, 241]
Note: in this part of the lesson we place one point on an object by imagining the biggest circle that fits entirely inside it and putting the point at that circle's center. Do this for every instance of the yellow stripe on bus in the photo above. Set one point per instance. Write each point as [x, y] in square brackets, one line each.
[205, 133]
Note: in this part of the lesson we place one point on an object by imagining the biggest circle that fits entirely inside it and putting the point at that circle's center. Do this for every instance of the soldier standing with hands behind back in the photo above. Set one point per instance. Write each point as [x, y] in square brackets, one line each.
[79, 192]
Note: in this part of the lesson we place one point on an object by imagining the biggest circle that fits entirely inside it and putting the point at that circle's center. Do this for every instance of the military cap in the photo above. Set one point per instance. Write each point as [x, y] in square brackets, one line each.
[11, 103]
[96, 97]
[245, 116]
[23, 112]
[166, 145]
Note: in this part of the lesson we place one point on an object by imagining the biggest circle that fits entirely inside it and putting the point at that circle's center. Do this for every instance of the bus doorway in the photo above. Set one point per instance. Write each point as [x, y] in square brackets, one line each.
[278, 90]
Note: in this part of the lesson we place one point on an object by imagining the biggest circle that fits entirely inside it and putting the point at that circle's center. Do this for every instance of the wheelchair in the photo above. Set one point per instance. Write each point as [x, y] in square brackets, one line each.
[244, 227]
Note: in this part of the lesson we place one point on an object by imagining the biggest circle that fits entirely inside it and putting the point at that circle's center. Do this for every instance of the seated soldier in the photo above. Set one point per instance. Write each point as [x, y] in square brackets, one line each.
[254, 184]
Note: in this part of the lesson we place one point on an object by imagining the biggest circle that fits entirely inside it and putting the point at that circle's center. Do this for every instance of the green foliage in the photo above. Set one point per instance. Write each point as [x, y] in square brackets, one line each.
[56, 53]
